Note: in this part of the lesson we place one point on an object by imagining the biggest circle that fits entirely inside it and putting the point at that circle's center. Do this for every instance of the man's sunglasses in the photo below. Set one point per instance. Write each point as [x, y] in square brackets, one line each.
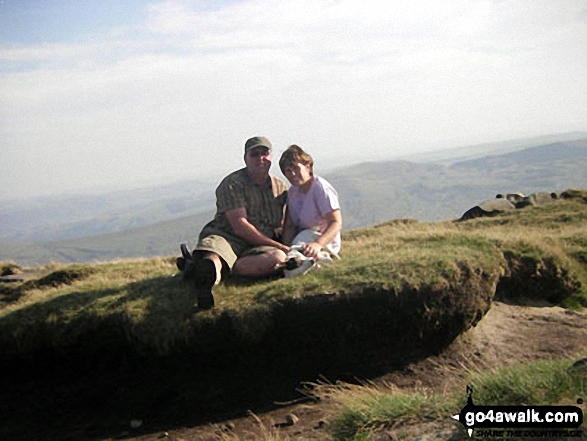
[259, 152]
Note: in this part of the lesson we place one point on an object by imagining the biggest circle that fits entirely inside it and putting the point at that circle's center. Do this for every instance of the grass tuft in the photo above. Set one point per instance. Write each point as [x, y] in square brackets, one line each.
[364, 409]
[358, 411]
[539, 383]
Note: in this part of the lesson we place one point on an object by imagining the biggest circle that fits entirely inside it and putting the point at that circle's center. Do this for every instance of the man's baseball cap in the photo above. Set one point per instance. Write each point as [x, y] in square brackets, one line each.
[257, 141]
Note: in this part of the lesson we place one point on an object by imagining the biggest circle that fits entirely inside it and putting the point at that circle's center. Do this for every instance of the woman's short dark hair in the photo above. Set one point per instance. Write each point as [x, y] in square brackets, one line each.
[294, 155]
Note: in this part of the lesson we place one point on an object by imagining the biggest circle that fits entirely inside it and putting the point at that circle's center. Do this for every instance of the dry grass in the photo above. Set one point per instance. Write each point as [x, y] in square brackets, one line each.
[357, 410]
[261, 433]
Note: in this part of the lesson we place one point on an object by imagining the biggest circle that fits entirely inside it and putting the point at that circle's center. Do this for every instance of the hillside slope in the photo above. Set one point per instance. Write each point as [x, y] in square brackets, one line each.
[464, 153]
[161, 238]
[48, 219]
[369, 193]
[373, 192]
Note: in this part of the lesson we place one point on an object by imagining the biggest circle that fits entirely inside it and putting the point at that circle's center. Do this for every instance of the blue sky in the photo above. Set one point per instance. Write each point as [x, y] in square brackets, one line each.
[115, 93]
[65, 21]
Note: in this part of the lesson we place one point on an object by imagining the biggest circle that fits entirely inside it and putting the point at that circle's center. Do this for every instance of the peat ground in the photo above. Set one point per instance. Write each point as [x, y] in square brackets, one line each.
[149, 399]
[509, 334]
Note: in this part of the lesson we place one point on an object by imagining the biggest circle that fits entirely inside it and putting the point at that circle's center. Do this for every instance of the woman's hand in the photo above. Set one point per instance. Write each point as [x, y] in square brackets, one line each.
[311, 249]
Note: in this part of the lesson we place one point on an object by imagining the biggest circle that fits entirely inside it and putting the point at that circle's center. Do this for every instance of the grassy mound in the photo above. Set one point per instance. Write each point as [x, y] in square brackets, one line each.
[402, 285]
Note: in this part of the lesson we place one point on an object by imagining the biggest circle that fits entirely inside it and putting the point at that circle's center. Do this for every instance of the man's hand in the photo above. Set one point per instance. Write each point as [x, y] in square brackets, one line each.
[247, 231]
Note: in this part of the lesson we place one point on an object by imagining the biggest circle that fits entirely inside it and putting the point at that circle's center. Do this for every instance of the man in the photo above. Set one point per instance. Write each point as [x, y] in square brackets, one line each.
[242, 238]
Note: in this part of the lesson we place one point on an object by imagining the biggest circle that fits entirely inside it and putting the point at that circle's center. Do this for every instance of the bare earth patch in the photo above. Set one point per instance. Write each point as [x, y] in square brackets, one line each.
[508, 334]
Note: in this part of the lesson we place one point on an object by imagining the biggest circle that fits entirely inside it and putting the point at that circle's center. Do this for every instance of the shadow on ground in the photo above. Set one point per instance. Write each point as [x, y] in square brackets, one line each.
[63, 398]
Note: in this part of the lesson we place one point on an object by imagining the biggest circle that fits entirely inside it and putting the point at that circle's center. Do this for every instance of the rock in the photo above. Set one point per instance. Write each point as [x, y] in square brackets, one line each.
[488, 208]
[135, 423]
[289, 420]
[536, 199]
[579, 366]
[321, 425]
[228, 427]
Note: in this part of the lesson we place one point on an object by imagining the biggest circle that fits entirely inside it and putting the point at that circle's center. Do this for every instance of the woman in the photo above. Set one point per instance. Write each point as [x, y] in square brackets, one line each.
[313, 212]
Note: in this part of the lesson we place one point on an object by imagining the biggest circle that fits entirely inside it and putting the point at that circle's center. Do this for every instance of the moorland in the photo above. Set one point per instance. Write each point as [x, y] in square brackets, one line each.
[90, 347]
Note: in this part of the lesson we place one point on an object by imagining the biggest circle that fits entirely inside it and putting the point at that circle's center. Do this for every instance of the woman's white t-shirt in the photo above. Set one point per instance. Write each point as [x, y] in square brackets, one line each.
[308, 210]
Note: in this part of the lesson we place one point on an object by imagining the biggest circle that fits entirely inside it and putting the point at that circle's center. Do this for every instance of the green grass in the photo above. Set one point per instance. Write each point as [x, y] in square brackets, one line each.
[539, 383]
[154, 310]
[363, 410]
[359, 411]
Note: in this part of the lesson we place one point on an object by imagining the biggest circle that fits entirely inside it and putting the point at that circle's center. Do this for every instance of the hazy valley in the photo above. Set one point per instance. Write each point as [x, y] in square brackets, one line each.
[153, 221]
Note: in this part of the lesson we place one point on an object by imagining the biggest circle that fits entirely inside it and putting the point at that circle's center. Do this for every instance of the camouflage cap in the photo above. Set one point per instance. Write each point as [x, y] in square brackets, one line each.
[257, 141]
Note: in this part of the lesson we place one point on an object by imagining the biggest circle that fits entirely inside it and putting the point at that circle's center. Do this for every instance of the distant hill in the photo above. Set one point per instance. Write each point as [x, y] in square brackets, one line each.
[458, 154]
[45, 219]
[549, 155]
[162, 238]
[373, 192]
[48, 219]
[370, 193]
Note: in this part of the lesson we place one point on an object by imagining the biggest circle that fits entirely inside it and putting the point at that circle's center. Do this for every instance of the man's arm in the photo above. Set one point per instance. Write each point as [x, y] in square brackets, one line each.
[247, 231]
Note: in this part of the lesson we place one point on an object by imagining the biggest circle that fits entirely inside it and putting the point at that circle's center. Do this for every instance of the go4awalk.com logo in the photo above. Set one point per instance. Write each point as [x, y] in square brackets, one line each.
[523, 421]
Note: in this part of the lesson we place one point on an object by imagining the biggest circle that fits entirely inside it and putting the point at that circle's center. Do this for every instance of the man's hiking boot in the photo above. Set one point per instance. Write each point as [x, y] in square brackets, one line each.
[185, 263]
[204, 280]
[180, 263]
[185, 252]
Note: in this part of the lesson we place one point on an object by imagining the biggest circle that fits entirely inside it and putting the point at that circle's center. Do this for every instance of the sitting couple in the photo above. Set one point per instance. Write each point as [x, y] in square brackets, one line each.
[244, 237]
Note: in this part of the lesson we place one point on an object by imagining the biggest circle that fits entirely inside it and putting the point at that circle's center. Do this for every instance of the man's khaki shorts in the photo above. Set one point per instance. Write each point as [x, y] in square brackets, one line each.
[228, 247]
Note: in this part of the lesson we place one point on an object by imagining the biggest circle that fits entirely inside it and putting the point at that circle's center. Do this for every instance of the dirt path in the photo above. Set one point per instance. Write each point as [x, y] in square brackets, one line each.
[508, 334]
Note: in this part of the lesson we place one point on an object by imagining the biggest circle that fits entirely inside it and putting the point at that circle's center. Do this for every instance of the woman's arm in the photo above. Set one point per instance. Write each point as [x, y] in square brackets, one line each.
[334, 219]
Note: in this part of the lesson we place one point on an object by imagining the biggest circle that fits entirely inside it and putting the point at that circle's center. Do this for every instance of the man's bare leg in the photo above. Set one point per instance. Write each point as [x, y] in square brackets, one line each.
[217, 264]
[259, 264]
[208, 271]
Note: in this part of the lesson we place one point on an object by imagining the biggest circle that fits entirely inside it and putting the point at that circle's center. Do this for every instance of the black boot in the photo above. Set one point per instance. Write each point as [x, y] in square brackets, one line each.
[185, 263]
[204, 281]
